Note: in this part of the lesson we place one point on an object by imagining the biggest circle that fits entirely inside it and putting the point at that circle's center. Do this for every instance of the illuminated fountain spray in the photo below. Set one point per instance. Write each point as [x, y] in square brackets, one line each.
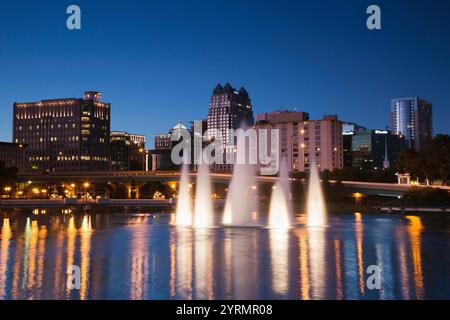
[184, 202]
[203, 216]
[280, 211]
[241, 204]
[316, 211]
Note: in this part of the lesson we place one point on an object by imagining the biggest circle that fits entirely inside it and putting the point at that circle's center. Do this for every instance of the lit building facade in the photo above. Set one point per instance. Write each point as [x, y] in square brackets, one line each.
[303, 141]
[348, 130]
[65, 135]
[375, 149]
[228, 109]
[288, 124]
[320, 141]
[412, 118]
[163, 141]
[127, 151]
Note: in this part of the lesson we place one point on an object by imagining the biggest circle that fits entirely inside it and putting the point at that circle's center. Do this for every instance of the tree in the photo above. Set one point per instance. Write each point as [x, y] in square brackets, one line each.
[431, 163]
[427, 196]
[435, 154]
[410, 162]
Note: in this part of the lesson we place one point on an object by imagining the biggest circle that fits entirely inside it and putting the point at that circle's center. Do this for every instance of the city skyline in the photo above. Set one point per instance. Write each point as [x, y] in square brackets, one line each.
[246, 154]
[255, 112]
[283, 63]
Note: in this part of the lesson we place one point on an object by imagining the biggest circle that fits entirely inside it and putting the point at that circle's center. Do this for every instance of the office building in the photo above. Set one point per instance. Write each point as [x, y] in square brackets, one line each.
[163, 141]
[228, 109]
[348, 130]
[303, 141]
[412, 118]
[288, 124]
[127, 151]
[65, 135]
[12, 155]
[375, 149]
[160, 157]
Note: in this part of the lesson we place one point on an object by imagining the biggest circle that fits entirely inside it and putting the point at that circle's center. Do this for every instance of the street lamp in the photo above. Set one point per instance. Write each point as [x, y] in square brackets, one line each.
[7, 190]
[86, 186]
[357, 197]
[36, 191]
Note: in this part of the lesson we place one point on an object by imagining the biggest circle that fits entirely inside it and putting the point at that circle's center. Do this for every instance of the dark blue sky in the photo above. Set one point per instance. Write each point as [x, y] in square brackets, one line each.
[158, 61]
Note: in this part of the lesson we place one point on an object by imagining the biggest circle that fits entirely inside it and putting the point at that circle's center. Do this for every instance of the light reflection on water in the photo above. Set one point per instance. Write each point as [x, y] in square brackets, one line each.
[143, 257]
[279, 252]
[4, 255]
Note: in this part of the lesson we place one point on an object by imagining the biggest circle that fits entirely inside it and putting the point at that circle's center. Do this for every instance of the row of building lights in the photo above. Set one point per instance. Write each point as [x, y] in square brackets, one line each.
[37, 191]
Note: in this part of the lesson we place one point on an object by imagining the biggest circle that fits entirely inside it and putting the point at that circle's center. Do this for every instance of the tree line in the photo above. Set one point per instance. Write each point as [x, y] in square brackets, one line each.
[431, 164]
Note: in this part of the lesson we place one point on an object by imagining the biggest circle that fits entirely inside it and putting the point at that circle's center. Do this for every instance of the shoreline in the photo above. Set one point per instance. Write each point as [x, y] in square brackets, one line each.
[169, 205]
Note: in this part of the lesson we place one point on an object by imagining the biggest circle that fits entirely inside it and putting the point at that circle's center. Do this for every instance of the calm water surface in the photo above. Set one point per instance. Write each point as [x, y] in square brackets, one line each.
[142, 256]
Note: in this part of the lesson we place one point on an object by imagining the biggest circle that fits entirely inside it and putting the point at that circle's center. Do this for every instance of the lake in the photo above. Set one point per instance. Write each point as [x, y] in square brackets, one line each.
[143, 256]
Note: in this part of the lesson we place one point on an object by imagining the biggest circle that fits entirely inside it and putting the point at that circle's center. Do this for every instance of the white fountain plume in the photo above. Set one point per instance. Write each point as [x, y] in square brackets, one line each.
[241, 198]
[184, 201]
[203, 217]
[280, 216]
[316, 211]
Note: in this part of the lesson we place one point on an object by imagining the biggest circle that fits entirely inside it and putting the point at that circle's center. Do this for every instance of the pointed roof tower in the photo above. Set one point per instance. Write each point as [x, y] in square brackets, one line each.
[218, 89]
[228, 89]
[177, 126]
[243, 91]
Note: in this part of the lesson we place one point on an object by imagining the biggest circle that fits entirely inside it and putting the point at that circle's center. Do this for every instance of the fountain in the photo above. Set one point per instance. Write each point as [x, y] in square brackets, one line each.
[316, 211]
[280, 211]
[184, 201]
[203, 217]
[241, 198]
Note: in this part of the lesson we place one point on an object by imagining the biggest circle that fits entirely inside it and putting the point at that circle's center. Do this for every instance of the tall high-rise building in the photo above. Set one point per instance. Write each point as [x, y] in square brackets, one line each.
[228, 109]
[412, 118]
[127, 151]
[65, 135]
